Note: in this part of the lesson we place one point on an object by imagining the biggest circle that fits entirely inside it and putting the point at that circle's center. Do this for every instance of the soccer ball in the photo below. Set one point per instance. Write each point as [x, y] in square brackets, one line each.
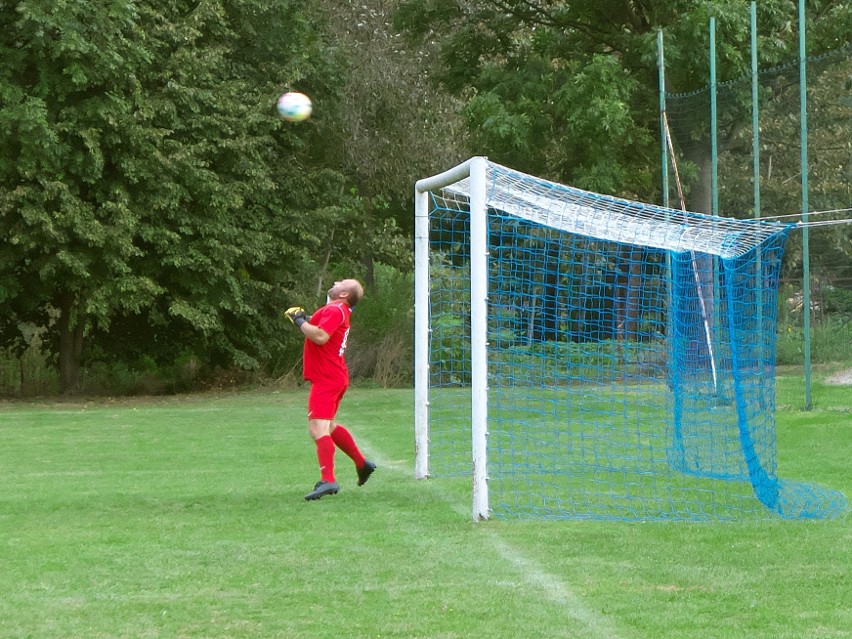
[294, 106]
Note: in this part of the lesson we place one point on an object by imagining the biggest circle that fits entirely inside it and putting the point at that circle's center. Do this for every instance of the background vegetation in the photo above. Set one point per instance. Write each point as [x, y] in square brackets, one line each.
[156, 216]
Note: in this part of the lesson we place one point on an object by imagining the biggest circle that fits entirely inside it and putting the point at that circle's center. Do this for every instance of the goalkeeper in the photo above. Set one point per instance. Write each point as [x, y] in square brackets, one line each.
[326, 333]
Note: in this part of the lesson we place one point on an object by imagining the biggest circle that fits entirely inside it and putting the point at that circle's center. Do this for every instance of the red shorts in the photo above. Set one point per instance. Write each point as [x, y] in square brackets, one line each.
[323, 401]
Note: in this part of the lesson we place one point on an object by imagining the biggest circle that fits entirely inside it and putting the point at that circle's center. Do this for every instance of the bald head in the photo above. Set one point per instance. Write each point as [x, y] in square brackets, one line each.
[350, 291]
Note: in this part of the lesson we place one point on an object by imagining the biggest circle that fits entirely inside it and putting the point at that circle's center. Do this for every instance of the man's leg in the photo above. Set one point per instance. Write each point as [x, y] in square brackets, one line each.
[345, 442]
[322, 407]
[320, 432]
[319, 429]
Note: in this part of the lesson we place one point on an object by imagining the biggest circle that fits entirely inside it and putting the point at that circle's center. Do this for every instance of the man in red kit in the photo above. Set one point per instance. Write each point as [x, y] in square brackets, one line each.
[326, 333]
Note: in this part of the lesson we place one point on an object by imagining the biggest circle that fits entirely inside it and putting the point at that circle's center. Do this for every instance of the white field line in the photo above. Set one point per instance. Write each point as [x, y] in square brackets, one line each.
[551, 586]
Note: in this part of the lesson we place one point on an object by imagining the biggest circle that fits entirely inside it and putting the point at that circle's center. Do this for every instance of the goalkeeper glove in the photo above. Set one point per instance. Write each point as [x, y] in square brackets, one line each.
[296, 314]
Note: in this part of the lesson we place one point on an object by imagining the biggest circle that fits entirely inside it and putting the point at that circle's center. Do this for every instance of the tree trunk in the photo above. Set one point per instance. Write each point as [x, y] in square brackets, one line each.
[700, 198]
[701, 201]
[548, 329]
[70, 344]
[632, 295]
[369, 272]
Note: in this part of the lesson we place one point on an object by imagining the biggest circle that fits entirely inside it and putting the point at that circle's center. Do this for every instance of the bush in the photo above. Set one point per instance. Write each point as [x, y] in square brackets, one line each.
[831, 341]
[29, 374]
[143, 377]
[381, 344]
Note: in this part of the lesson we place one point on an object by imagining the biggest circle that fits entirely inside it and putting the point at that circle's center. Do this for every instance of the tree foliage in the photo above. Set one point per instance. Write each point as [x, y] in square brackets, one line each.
[153, 206]
[569, 90]
[148, 196]
[392, 125]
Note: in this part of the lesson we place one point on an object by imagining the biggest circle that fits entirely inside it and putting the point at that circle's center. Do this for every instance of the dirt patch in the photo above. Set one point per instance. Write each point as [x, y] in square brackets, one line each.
[842, 378]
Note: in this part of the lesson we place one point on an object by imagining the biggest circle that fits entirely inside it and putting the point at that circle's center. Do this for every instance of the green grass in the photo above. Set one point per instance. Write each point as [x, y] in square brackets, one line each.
[185, 518]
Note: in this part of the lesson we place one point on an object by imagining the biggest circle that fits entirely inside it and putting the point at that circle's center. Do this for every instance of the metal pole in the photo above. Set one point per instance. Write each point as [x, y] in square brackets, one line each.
[755, 152]
[714, 209]
[421, 334]
[479, 336]
[806, 258]
[714, 141]
[664, 157]
[755, 130]
[665, 143]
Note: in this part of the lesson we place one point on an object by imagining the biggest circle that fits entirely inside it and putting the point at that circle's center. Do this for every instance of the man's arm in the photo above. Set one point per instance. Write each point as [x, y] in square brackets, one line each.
[314, 333]
[297, 315]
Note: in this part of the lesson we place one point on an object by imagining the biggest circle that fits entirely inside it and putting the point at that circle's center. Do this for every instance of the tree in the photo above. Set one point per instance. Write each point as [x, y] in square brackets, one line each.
[144, 179]
[394, 126]
[569, 90]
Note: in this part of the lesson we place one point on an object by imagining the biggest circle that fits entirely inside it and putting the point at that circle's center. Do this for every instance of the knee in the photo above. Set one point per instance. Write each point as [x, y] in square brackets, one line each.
[319, 428]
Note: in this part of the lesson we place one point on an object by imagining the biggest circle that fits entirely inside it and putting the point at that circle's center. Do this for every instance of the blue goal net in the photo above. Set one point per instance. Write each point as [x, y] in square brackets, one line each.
[630, 357]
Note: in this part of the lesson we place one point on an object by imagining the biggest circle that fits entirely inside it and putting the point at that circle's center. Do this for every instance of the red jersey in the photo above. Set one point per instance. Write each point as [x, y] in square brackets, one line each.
[326, 364]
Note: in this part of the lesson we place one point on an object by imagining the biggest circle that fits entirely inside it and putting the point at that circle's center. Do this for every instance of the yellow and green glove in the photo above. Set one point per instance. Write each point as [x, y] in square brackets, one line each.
[296, 314]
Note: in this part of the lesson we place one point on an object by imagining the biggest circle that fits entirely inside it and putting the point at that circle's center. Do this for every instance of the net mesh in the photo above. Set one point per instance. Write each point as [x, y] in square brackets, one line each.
[630, 357]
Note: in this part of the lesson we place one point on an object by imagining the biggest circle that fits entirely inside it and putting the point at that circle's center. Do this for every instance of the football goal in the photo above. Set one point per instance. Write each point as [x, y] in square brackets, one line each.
[584, 356]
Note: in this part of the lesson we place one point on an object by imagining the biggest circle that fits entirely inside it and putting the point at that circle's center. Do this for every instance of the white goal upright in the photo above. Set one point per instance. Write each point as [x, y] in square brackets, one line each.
[585, 356]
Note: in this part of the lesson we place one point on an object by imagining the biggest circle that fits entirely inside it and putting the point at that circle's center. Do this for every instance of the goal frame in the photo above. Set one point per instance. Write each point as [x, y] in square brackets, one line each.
[722, 429]
[475, 170]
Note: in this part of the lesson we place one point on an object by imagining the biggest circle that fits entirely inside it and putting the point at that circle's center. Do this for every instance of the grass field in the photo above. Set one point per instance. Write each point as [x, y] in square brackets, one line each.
[184, 518]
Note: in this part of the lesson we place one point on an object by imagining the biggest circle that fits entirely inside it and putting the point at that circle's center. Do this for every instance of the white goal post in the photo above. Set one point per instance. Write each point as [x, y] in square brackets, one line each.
[474, 169]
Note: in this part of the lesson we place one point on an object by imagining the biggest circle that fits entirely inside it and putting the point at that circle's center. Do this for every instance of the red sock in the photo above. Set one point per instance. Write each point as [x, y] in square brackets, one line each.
[325, 455]
[343, 438]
